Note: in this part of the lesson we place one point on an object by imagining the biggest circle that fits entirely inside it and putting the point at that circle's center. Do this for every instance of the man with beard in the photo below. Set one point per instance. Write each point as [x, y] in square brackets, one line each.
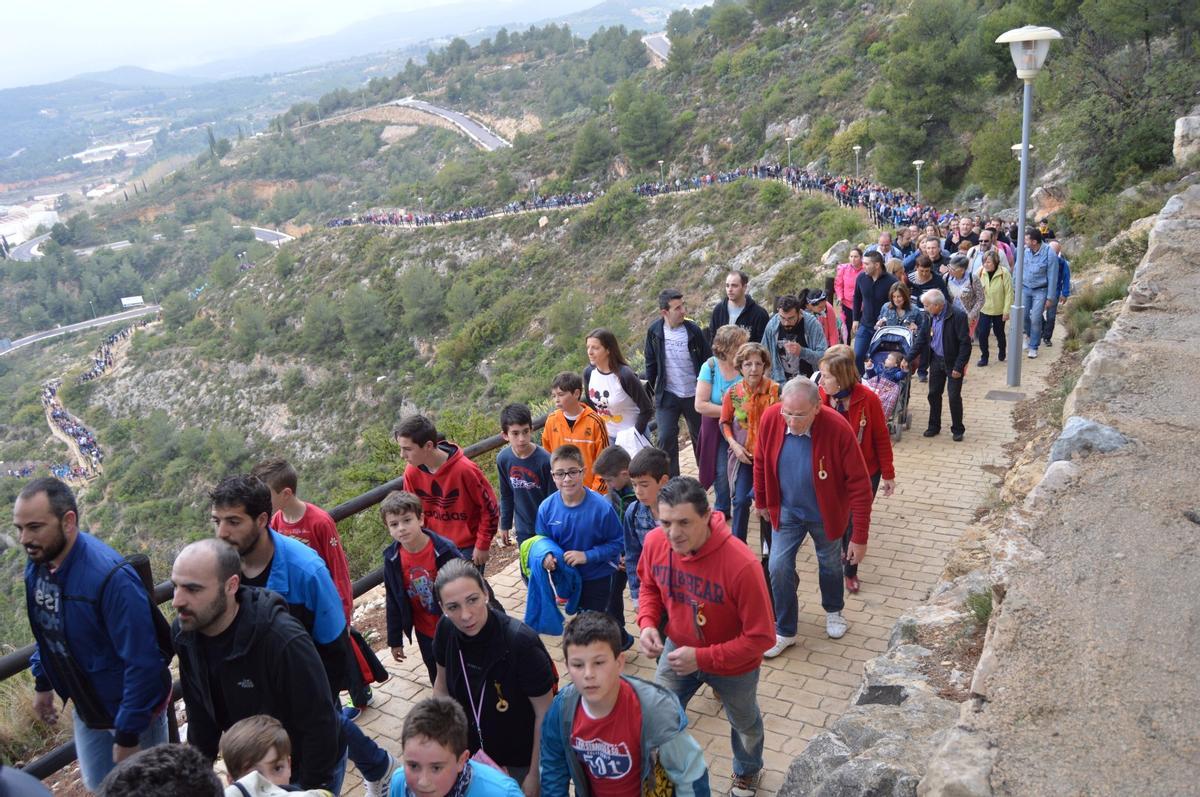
[94, 632]
[795, 340]
[241, 513]
[241, 654]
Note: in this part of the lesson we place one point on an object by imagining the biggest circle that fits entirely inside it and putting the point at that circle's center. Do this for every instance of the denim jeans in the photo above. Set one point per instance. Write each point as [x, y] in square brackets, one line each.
[743, 500]
[721, 485]
[785, 543]
[1034, 300]
[370, 758]
[94, 747]
[739, 697]
[670, 407]
[339, 775]
[862, 342]
[469, 554]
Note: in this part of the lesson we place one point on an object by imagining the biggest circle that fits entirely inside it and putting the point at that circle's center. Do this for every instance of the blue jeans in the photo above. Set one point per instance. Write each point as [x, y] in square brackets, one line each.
[339, 775]
[670, 407]
[784, 544]
[862, 342]
[370, 758]
[739, 697]
[469, 554]
[94, 747]
[743, 500]
[721, 485]
[1034, 300]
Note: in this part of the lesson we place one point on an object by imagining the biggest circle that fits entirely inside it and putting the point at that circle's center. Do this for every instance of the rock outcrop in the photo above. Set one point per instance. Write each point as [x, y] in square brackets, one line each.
[1187, 136]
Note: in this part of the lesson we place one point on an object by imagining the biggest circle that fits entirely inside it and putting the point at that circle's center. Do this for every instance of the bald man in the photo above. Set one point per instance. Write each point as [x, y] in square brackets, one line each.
[241, 653]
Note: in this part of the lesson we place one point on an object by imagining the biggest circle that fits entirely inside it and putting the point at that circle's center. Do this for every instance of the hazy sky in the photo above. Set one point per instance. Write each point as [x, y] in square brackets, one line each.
[48, 40]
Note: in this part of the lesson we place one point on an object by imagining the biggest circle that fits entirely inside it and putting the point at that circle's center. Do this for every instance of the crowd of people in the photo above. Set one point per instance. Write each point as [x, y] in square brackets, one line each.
[102, 358]
[20, 472]
[89, 449]
[786, 405]
[407, 218]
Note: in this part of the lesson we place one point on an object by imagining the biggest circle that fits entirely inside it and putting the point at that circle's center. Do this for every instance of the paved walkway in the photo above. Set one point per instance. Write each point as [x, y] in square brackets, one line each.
[940, 484]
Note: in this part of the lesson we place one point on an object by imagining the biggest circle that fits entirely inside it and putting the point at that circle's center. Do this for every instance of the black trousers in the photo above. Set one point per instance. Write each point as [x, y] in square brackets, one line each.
[988, 324]
[940, 381]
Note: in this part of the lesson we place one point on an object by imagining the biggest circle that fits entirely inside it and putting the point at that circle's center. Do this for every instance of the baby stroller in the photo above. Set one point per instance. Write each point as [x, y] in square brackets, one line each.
[893, 396]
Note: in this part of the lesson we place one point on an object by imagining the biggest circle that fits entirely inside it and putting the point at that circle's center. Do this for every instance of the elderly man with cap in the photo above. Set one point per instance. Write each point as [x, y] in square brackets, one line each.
[944, 342]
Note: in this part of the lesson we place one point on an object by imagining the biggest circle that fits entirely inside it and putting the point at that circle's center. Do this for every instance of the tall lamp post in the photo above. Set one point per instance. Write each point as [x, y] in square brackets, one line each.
[918, 164]
[662, 176]
[1029, 47]
[857, 149]
[789, 143]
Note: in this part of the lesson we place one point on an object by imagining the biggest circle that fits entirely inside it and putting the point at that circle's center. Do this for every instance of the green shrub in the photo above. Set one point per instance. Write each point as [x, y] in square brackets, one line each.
[979, 604]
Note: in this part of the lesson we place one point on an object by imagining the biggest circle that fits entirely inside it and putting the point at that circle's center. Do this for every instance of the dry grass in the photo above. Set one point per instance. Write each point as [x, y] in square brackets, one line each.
[22, 735]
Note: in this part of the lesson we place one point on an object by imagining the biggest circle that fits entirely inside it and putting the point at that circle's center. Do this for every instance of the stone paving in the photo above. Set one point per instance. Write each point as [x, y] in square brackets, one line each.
[940, 484]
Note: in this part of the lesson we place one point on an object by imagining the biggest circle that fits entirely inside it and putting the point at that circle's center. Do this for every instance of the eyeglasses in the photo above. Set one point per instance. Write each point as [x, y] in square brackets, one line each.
[573, 473]
[795, 416]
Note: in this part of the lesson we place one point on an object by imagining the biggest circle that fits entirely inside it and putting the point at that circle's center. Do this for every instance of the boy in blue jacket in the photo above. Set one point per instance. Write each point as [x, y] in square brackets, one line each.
[436, 760]
[584, 525]
[608, 733]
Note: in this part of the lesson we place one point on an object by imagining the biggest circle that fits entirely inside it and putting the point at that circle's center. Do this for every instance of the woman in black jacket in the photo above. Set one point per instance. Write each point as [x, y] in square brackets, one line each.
[496, 668]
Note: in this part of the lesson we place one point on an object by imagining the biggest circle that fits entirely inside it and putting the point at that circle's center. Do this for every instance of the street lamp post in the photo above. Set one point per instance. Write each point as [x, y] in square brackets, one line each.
[789, 143]
[857, 149]
[93, 304]
[918, 164]
[662, 176]
[1029, 46]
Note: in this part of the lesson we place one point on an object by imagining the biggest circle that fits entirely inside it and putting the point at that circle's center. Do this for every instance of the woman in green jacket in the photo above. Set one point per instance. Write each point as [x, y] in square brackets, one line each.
[997, 298]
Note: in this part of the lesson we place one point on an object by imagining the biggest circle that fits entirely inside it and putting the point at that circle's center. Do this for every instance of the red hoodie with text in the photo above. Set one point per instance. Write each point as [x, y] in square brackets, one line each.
[715, 599]
[458, 500]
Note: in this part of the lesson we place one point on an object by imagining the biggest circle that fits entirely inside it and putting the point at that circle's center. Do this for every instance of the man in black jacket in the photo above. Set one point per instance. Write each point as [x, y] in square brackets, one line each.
[675, 350]
[944, 342]
[241, 654]
[739, 308]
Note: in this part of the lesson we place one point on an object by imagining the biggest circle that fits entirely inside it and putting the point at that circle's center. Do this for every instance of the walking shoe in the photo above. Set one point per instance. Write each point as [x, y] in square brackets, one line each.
[744, 785]
[782, 643]
[835, 625]
[983, 361]
[351, 712]
[378, 788]
[931, 432]
[957, 437]
[1033, 354]
[1001, 358]
[852, 584]
[1047, 342]
[923, 377]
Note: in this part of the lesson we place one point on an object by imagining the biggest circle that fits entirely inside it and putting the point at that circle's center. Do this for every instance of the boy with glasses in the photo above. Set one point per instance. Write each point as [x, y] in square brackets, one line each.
[584, 524]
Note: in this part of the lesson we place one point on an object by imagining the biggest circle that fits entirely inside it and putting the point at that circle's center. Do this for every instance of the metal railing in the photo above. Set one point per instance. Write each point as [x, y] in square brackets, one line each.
[48, 763]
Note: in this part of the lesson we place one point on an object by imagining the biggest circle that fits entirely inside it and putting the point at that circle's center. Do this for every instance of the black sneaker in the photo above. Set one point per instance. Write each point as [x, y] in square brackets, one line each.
[1047, 342]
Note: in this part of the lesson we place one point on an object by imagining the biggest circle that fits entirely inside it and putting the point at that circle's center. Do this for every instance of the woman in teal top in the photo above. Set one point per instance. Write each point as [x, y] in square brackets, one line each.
[717, 375]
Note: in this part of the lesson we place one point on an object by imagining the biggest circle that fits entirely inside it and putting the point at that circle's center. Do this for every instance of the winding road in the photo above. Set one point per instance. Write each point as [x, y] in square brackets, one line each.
[482, 136]
[32, 249]
[80, 327]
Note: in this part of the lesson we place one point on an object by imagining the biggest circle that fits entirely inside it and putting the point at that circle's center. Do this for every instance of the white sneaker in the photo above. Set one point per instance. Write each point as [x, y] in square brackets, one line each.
[378, 788]
[835, 625]
[782, 643]
[1033, 354]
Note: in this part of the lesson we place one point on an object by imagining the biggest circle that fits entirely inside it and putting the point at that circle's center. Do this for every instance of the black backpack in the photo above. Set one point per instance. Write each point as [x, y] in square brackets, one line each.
[162, 629]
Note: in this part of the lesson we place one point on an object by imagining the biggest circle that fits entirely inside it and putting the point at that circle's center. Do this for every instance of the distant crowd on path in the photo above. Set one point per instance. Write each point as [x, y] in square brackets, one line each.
[785, 409]
[401, 218]
[102, 358]
[72, 428]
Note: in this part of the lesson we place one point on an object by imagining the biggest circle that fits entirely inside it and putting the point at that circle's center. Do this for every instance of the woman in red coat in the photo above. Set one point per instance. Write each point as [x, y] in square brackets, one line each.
[842, 390]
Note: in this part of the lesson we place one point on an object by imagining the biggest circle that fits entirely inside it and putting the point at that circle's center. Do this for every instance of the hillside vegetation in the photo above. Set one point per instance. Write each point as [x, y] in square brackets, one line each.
[315, 351]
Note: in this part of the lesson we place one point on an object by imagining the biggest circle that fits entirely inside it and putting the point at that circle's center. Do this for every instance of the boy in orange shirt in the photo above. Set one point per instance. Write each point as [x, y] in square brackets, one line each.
[575, 423]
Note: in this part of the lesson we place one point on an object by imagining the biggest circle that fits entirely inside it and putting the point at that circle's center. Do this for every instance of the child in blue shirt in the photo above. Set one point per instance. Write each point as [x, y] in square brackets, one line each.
[649, 470]
[584, 525]
[436, 760]
[524, 470]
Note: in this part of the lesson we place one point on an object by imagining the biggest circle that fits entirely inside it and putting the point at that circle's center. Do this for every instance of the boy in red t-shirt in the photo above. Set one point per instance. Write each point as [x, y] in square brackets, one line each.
[410, 565]
[314, 527]
[611, 734]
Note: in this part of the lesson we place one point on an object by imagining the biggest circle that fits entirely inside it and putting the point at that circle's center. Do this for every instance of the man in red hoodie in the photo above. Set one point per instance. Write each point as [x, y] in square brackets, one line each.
[457, 499]
[809, 479]
[710, 588]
